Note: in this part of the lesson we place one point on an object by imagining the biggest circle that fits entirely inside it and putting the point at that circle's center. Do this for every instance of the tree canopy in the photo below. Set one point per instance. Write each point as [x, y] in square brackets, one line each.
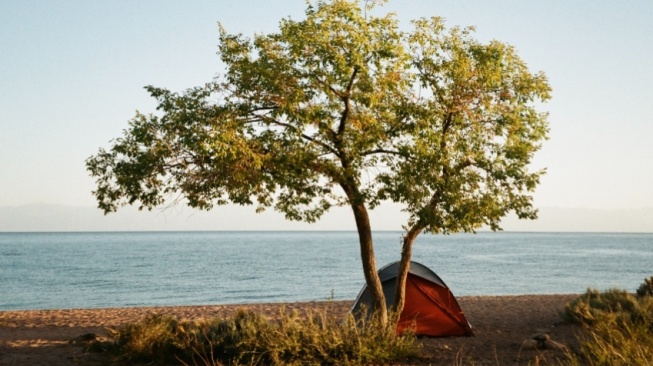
[343, 108]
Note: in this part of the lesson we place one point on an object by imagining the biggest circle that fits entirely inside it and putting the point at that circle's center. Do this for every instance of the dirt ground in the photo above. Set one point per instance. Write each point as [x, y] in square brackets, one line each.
[504, 328]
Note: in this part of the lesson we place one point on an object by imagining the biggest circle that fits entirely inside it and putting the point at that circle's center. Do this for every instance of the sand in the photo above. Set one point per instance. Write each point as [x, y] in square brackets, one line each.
[503, 326]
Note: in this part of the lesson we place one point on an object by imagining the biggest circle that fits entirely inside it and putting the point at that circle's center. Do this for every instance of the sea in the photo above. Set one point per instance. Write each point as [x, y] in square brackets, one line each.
[128, 269]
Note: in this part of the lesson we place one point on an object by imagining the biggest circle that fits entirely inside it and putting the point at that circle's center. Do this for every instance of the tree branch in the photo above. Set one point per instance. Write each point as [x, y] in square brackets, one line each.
[328, 86]
[303, 135]
[384, 151]
[345, 100]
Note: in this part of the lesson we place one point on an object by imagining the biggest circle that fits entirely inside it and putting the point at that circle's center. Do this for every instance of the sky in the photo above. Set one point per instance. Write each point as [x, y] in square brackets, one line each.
[72, 74]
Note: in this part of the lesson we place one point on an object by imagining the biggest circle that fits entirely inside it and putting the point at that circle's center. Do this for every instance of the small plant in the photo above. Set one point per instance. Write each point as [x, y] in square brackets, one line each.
[332, 295]
[646, 288]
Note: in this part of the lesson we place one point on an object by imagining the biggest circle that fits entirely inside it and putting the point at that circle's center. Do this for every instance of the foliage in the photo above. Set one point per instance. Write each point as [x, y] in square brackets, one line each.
[248, 338]
[646, 288]
[446, 124]
[619, 328]
[297, 114]
[470, 141]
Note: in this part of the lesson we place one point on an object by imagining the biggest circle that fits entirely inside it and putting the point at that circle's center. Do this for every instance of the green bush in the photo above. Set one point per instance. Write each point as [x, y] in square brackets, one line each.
[248, 338]
[618, 328]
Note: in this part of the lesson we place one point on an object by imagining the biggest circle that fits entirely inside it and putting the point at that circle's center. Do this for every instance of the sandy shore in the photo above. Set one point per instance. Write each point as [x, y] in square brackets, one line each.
[502, 324]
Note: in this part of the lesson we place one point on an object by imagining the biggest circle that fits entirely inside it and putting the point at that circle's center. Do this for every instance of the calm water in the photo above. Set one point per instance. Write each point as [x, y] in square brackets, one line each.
[86, 270]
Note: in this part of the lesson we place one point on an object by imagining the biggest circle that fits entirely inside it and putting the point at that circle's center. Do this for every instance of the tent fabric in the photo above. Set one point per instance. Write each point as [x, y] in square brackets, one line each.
[430, 308]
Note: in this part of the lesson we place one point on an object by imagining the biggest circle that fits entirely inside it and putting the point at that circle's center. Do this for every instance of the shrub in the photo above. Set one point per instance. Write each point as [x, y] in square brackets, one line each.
[155, 339]
[619, 328]
[594, 305]
[248, 338]
[646, 288]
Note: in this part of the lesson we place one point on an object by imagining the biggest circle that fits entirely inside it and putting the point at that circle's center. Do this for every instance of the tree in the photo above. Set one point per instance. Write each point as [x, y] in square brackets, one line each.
[341, 108]
[472, 132]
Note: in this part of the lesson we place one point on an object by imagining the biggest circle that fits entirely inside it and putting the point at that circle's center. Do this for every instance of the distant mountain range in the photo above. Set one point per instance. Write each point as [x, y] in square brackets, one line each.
[46, 217]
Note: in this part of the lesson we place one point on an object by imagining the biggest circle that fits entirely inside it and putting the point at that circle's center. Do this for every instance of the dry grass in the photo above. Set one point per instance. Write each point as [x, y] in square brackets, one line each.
[619, 328]
[248, 338]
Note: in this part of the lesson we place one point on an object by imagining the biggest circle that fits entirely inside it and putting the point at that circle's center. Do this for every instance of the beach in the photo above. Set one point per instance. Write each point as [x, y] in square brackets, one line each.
[503, 325]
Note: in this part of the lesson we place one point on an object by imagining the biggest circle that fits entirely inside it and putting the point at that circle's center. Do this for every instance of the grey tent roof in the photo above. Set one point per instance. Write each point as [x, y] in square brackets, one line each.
[390, 271]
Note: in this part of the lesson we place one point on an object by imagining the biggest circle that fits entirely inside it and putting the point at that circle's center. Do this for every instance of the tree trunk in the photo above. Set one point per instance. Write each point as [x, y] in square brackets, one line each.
[404, 266]
[369, 261]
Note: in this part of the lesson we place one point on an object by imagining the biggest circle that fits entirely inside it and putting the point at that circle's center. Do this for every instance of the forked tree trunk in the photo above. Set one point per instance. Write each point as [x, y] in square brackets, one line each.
[404, 267]
[369, 262]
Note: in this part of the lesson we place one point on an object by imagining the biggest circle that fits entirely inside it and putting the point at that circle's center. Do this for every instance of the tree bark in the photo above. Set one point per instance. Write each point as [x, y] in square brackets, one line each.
[369, 262]
[404, 267]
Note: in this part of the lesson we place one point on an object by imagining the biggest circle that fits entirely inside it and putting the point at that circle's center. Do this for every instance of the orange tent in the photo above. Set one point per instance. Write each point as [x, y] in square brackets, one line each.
[430, 308]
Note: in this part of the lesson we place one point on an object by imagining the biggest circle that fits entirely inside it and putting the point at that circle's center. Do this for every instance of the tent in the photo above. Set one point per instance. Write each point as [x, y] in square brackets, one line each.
[430, 308]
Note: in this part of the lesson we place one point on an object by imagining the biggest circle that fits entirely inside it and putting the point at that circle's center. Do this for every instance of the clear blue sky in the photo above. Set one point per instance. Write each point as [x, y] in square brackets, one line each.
[72, 75]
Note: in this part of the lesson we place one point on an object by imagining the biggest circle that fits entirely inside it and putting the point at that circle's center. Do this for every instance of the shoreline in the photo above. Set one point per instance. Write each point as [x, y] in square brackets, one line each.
[257, 303]
[502, 325]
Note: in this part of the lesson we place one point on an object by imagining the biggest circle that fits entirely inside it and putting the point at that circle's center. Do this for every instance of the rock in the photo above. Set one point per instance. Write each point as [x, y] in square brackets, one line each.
[535, 344]
[530, 344]
[541, 337]
[87, 337]
[549, 344]
[93, 343]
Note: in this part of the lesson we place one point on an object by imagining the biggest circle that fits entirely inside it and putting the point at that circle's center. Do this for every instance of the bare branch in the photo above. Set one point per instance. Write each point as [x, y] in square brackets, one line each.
[345, 100]
[384, 151]
[303, 135]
